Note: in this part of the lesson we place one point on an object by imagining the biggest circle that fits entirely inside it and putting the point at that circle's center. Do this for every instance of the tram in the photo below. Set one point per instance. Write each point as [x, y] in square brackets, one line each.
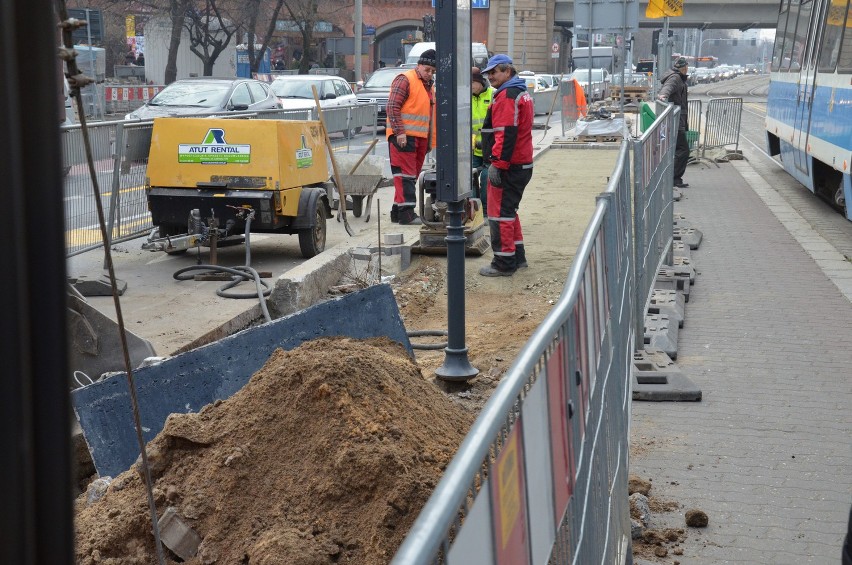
[809, 108]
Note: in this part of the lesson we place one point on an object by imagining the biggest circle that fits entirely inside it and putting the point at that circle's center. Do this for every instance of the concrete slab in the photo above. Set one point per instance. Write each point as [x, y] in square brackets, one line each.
[661, 333]
[187, 382]
[669, 303]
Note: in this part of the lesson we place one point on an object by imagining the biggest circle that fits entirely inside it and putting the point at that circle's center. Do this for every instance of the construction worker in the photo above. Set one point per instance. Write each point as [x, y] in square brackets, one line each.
[481, 94]
[574, 105]
[674, 90]
[507, 140]
[410, 131]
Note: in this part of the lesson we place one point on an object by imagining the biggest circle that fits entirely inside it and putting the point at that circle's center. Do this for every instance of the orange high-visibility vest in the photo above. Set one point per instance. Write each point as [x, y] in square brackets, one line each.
[418, 113]
[574, 103]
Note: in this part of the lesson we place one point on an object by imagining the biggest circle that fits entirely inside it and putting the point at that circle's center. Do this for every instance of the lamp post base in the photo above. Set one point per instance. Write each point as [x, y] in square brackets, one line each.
[456, 366]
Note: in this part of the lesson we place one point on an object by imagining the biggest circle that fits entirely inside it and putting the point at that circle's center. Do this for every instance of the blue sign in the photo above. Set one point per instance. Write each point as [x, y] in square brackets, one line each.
[369, 30]
[474, 3]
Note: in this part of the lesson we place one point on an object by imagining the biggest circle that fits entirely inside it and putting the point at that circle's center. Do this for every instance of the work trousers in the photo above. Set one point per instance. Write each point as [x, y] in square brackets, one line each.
[406, 163]
[681, 156]
[480, 189]
[503, 220]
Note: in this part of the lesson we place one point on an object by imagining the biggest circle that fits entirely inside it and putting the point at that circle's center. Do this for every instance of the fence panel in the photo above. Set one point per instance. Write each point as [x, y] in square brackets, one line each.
[571, 109]
[722, 126]
[542, 474]
[653, 216]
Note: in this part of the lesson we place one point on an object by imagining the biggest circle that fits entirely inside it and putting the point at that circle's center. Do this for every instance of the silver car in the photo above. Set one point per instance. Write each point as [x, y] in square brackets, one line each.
[207, 95]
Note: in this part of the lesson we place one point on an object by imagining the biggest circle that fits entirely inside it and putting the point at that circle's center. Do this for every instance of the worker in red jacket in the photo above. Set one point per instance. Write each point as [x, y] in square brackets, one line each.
[507, 139]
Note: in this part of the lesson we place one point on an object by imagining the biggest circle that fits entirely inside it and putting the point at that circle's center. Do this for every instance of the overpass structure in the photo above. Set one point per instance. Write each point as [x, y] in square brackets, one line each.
[703, 14]
[541, 29]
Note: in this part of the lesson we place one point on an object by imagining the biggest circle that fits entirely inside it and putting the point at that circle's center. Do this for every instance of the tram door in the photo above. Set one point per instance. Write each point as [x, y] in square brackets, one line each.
[808, 36]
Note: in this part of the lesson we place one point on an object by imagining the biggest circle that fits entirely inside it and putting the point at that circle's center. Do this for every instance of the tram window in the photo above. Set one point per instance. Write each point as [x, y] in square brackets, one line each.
[790, 43]
[835, 20]
[780, 33]
[844, 59]
[800, 41]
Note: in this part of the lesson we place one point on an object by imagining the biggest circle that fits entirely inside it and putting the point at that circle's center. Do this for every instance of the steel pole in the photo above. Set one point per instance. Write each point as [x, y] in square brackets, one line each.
[510, 49]
[358, 37]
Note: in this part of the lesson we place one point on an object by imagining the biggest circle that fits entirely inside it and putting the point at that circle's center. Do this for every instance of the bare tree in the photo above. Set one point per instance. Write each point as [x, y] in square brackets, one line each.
[254, 7]
[209, 33]
[177, 13]
[305, 16]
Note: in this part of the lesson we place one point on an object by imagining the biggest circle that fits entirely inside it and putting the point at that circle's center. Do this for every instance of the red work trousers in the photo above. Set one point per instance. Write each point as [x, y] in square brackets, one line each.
[503, 220]
[406, 163]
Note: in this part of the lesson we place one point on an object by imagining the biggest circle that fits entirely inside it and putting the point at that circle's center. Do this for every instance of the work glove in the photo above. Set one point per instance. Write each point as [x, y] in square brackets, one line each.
[494, 176]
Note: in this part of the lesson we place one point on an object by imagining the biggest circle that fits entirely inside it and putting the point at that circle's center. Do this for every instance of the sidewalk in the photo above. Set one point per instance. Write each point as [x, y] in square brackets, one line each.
[767, 452]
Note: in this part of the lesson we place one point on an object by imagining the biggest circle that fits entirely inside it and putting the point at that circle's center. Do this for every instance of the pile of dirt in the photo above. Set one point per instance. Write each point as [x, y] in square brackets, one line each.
[327, 455]
[659, 543]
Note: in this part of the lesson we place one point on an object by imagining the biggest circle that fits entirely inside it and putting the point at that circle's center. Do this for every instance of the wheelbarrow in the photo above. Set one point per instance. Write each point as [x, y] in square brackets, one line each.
[363, 185]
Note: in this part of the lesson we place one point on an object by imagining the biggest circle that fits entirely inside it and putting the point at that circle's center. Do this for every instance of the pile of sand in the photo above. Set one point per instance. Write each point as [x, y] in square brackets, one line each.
[326, 456]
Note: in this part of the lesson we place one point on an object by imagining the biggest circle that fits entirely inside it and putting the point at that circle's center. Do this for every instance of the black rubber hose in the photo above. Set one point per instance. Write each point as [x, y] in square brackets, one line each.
[243, 273]
[423, 333]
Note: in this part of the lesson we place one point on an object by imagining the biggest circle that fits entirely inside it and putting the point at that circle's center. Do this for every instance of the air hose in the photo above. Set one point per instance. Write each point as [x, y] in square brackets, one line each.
[240, 274]
[427, 346]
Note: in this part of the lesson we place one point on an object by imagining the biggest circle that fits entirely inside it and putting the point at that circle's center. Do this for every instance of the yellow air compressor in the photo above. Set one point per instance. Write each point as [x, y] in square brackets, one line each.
[211, 177]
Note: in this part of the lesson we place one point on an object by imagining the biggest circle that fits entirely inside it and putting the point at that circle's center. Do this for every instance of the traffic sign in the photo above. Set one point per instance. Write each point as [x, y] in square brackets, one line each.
[554, 48]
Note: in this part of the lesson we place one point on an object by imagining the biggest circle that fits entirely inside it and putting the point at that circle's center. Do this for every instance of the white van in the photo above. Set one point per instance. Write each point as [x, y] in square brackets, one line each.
[478, 54]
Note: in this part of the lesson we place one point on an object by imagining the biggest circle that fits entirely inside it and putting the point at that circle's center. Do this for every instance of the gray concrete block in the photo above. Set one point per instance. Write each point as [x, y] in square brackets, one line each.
[394, 239]
[668, 303]
[657, 378]
[362, 254]
[651, 359]
[668, 279]
[309, 282]
[177, 535]
[661, 333]
[689, 236]
[683, 266]
[661, 387]
[187, 382]
[679, 249]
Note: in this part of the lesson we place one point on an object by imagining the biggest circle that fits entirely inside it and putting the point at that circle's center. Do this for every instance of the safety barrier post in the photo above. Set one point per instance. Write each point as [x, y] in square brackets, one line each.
[722, 126]
[115, 191]
[653, 211]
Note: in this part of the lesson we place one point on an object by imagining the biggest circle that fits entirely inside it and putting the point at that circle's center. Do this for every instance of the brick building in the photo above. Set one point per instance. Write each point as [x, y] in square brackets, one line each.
[390, 25]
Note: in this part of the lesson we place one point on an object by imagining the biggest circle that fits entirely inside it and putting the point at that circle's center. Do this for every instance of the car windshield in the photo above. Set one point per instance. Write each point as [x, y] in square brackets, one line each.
[201, 94]
[583, 74]
[382, 79]
[293, 88]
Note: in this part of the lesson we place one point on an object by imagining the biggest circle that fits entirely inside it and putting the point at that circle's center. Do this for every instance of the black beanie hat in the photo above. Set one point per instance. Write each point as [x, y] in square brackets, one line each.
[429, 57]
[476, 76]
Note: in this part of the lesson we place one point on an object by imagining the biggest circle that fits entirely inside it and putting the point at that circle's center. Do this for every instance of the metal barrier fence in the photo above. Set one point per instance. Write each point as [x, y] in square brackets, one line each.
[570, 109]
[541, 477]
[120, 153]
[722, 125]
[694, 115]
[542, 474]
[653, 214]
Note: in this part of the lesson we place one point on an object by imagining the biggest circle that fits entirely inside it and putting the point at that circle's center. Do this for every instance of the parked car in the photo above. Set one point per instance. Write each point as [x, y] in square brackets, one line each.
[535, 83]
[294, 91]
[631, 78]
[207, 95]
[598, 88]
[376, 90]
[551, 80]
